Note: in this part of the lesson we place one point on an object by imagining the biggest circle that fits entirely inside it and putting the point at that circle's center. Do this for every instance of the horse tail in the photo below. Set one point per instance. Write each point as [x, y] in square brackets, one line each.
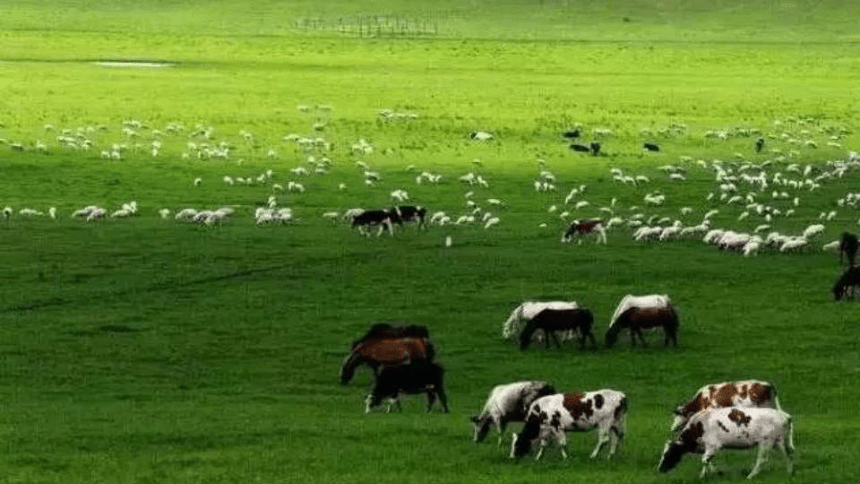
[509, 328]
[790, 443]
[529, 329]
[774, 396]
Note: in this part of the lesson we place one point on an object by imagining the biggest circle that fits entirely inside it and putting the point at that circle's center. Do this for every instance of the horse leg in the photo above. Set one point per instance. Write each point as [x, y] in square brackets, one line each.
[546, 333]
[555, 338]
[431, 397]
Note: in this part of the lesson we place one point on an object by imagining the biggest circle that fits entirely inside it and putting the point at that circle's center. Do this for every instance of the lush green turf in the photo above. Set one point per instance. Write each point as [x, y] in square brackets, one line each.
[146, 350]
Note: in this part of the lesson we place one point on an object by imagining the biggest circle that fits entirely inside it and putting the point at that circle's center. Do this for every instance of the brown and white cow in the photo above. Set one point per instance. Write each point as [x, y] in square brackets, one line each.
[585, 227]
[731, 428]
[551, 416]
[746, 393]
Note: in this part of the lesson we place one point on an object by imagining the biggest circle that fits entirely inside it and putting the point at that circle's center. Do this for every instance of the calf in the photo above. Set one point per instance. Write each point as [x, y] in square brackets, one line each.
[651, 146]
[551, 416]
[746, 393]
[584, 227]
[732, 428]
[508, 403]
[409, 213]
[383, 218]
[411, 378]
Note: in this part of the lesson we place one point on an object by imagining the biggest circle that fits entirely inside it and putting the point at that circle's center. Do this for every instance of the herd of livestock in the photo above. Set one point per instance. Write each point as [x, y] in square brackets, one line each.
[734, 415]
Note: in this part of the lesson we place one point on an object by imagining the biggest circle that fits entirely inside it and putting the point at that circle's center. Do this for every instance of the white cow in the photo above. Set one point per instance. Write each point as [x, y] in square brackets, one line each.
[733, 428]
[508, 403]
[529, 309]
[551, 416]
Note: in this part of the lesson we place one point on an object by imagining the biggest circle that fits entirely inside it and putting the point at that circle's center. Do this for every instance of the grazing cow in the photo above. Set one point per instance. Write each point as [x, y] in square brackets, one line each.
[746, 393]
[759, 144]
[848, 246]
[848, 281]
[732, 428]
[651, 147]
[411, 378]
[551, 320]
[595, 148]
[551, 416]
[584, 227]
[508, 403]
[572, 133]
[580, 148]
[409, 213]
[382, 218]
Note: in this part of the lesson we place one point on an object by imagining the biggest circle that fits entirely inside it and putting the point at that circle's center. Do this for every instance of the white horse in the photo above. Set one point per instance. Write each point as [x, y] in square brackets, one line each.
[643, 302]
[528, 310]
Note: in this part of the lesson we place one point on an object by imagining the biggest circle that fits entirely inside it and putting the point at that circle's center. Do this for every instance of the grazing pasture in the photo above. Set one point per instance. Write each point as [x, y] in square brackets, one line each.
[143, 347]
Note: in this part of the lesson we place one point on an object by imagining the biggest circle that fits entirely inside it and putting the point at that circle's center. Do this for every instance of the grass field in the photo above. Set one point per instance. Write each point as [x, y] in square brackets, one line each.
[146, 350]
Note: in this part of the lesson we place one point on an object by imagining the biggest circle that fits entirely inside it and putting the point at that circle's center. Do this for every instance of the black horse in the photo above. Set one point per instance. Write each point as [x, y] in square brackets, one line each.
[553, 320]
[848, 246]
[848, 281]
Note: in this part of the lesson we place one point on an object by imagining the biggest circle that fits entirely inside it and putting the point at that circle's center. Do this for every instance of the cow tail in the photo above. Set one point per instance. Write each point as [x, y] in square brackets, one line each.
[790, 446]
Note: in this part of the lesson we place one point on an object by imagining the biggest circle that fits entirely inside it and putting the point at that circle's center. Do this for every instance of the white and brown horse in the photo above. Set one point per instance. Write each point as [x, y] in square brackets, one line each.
[579, 321]
[644, 312]
[528, 310]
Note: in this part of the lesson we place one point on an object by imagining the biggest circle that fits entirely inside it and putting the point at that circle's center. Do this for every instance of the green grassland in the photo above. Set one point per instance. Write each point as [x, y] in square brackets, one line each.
[146, 350]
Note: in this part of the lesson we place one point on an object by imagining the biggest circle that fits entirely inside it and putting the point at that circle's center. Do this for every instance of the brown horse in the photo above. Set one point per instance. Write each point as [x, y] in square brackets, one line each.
[553, 320]
[377, 352]
[637, 319]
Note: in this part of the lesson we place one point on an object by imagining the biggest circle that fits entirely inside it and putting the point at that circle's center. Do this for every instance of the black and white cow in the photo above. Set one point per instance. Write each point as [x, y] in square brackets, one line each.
[551, 416]
[731, 428]
[409, 213]
[383, 218]
[411, 378]
[508, 403]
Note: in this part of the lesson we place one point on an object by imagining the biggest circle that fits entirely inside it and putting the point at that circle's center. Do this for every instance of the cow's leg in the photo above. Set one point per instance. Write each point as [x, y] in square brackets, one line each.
[602, 439]
[706, 461]
[788, 462]
[561, 439]
[616, 436]
[542, 445]
[761, 459]
[367, 403]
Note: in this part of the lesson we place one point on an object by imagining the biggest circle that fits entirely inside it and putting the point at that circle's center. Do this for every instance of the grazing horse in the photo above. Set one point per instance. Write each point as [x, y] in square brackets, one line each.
[552, 320]
[637, 319]
[529, 309]
[848, 246]
[584, 227]
[386, 330]
[377, 352]
[849, 280]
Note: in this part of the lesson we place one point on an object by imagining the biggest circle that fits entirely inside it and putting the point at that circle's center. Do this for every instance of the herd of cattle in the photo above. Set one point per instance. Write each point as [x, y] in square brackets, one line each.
[736, 415]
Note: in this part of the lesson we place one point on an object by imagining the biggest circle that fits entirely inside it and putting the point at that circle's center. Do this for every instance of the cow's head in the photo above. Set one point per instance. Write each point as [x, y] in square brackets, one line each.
[481, 426]
[680, 419]
[672, 453]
